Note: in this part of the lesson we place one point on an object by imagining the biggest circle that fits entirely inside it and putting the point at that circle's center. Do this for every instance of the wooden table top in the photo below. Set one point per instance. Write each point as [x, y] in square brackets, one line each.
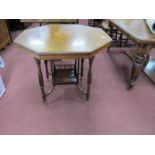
[63, 41]
[136, 29]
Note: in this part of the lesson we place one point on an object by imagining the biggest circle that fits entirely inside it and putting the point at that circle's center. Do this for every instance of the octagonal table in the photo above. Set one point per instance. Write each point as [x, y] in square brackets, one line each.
[60, 41]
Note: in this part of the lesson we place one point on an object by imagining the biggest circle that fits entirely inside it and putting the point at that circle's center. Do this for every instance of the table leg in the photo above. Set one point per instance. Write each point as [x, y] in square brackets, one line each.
[120, 39]
[139, 61]
[136, 69]
[41, 80]
[82, 62]
[46, 68]
[89, 77]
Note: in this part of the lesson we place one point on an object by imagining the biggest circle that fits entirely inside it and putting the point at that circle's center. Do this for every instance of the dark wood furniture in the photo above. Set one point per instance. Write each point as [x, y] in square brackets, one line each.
[5, 37]
[95, 22]
[15, 24]
[144, 40]
[50, 21]
[119, 40]
[61, 41]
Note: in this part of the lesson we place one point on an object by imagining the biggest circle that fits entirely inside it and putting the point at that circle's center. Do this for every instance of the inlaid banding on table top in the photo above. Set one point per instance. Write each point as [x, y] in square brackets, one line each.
[136, 29]
[62, 39]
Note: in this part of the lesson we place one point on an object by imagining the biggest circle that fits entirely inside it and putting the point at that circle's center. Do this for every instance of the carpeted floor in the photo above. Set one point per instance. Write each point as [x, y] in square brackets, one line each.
[112, 109]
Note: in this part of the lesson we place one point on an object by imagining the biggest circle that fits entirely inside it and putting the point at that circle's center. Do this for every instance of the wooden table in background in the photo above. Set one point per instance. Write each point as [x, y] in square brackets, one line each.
[138, 32]
[52, 42]
[52, 21]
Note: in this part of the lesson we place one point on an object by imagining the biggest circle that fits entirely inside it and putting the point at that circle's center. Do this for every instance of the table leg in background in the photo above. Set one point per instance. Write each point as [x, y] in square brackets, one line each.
[139, 62]
[46, 68]
[82, 62]
[89, 77]
[41, 80]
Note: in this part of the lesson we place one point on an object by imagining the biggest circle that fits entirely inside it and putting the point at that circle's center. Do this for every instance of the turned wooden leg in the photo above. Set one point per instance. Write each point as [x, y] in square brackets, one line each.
[120, 39]
[138, 65]
[52, 67]
[89, 77]
[41, 80]
[82, 62]
[126, 42]
[46, 68]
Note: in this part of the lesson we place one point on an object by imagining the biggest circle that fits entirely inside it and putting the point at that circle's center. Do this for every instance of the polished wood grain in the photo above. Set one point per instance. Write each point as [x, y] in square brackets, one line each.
[62, 41]
[136, 29]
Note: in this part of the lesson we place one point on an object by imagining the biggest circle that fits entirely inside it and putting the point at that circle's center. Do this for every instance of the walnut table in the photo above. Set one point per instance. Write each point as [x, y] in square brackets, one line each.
[144, 40]
[55, 42]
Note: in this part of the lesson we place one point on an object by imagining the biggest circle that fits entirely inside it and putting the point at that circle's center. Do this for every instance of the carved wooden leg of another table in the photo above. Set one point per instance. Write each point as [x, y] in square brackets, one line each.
[147, 58]
[138, 65]
[147, 55]
[41, 80]
[89, 78]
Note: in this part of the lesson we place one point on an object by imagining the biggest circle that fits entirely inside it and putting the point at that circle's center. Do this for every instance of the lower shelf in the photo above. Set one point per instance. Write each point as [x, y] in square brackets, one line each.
[65, 74]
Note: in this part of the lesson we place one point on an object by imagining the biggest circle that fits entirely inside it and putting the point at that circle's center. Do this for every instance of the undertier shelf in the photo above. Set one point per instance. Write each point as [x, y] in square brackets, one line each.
[65, 74]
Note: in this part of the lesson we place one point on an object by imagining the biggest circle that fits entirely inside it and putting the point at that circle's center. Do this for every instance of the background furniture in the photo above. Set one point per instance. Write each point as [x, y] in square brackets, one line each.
[52, 21]
[15, 24]
[5, 37]
[119, 40]
[144, 40]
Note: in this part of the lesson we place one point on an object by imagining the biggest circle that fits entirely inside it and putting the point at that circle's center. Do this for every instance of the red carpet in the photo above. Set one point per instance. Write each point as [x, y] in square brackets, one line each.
[112, 109]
